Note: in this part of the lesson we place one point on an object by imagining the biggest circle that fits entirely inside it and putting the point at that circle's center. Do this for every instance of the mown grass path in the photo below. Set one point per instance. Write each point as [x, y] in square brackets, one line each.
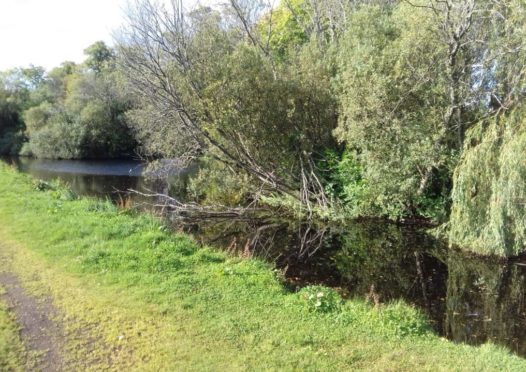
[133, 296]
[40, 327]
[12, 352]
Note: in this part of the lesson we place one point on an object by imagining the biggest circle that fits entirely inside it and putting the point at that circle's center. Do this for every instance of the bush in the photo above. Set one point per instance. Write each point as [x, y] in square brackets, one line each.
[345, 182]
[321, 299]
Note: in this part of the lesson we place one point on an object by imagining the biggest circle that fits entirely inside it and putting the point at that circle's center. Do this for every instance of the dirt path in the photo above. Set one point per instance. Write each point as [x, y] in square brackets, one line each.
[42, 335]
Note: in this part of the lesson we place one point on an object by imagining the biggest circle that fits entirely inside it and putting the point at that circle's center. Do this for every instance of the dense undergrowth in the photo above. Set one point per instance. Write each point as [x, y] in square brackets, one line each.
[156, 300]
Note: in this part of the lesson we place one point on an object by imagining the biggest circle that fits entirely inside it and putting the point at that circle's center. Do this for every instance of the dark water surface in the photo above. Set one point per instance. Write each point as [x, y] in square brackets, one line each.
[467, 299]
[103, 178]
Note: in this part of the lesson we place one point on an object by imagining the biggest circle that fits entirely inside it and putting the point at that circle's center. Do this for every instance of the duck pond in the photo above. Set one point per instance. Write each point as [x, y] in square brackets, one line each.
[467, 299]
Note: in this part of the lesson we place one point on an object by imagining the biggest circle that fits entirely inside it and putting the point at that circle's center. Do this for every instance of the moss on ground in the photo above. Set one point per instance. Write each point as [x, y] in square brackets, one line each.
[11, 347]
[135, 296]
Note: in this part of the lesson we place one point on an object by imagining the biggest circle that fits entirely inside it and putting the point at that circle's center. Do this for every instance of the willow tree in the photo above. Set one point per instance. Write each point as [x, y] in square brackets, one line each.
[488, 213]
[213, 87]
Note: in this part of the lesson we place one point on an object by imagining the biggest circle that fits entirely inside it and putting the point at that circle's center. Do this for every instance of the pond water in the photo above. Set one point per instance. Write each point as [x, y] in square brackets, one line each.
[104, 178]
[467, 299]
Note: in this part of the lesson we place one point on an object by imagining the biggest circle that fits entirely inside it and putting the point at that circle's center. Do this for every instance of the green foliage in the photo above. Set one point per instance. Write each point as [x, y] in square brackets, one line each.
[287, 34]
[11, 142]
[436, 206]
[397, 84]
[60, 139]
[276, 120]
[71, 112]
[158, 137]
[11, 125]
[37, 117]
[237, 104]
[99, 56]
[344, 180]
[55, 86]
[58, 190]
[216, 184]
[392, 101]
[43, 186]
[321, 299]
[81, 114]
[405, 322]
[488, 212]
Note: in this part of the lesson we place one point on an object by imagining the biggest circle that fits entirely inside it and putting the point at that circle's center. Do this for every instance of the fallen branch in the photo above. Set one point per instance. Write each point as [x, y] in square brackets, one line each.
[178, 209]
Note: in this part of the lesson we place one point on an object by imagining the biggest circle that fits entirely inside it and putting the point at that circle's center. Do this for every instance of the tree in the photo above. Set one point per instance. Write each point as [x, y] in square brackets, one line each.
[10, 123]
[484, 41]
[79, 113]
[393, 99]
[14, 97]
[99, 56]
[216, 82]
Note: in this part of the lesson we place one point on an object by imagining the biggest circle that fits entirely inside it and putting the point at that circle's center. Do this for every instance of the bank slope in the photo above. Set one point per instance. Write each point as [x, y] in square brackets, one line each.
[135, 296]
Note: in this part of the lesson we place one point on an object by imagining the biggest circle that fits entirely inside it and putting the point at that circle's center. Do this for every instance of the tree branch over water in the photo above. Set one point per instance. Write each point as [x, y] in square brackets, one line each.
[190, 70]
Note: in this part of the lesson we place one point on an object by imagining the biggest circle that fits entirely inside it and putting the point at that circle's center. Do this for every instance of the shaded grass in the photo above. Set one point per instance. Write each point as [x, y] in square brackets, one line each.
[136, 296]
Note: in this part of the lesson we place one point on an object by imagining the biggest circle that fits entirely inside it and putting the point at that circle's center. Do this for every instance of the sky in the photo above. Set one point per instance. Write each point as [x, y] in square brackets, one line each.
[48, 32]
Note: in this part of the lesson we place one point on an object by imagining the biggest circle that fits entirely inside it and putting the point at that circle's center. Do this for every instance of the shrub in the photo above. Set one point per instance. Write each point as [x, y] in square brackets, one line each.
[321, 299]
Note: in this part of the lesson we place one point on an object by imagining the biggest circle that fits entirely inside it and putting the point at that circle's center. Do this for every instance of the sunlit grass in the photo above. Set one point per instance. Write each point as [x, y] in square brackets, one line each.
[136, 296]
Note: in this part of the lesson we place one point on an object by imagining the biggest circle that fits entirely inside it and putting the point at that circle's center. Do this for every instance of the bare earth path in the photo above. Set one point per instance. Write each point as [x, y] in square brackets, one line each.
[41, 333]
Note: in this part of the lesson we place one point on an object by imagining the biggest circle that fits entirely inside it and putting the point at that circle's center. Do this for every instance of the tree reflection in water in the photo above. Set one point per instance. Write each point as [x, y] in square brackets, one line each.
[467, 299]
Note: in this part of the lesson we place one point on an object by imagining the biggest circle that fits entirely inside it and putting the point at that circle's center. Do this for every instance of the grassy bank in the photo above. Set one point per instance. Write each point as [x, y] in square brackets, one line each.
[135, 296]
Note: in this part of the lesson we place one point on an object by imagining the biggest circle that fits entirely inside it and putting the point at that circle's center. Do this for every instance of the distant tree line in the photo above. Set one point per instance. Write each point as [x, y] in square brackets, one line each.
[71, 112]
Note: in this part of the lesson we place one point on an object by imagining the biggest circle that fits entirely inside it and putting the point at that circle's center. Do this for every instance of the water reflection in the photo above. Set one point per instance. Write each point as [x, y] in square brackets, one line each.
[394, 262]
[485, 302]
[104, 178]
[467, 299]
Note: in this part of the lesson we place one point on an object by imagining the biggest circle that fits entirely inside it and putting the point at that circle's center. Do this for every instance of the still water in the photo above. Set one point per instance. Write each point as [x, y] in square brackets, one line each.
[104, 178]
[467, 299]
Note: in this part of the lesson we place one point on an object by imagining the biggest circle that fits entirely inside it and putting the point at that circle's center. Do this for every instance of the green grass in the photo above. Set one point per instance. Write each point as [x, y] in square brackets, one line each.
[135, 296]
[11, 348]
